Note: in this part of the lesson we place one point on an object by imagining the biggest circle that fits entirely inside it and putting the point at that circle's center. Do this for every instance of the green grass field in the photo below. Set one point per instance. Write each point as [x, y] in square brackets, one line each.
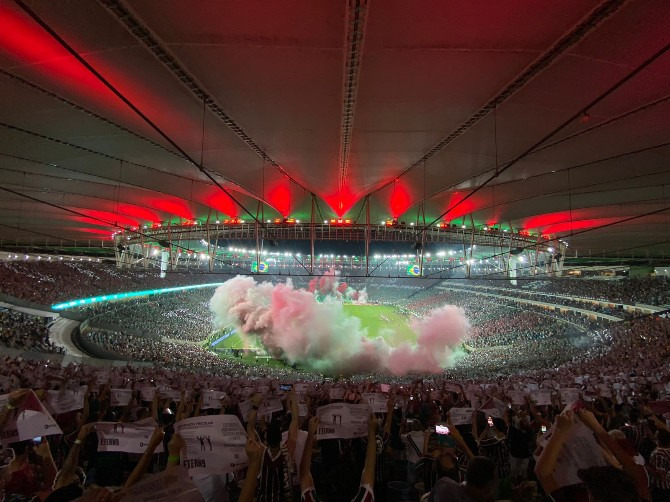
[371, 318]
[380, 320]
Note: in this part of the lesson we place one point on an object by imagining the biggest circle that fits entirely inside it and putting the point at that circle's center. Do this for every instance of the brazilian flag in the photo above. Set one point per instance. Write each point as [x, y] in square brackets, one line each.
[414, 270]
[261, 267]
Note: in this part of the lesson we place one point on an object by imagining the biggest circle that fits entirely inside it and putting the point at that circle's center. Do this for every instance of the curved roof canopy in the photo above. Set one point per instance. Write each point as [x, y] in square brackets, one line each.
[551, 117]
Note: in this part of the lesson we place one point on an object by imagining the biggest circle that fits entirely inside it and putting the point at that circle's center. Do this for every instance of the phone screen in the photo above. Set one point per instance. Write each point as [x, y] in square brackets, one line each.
[490, 421]
[442, 429]
[287, 386]
[544, 429]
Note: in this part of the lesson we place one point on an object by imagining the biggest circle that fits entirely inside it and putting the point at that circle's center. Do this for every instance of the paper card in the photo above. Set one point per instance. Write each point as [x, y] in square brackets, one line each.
[541, 397]
[336, 393]
[62, 401]
[342, 421]
[378, 402]
[385, 387]
[120, 397]
[214, 444]
[166, 486]
[580, 451]
[301, 388]
[299, 447]
[29, 420]
[569, 395]
[269, 406]
[302, 410]
[147, 393]
[518, 397]
[211, 399]
[123, 436]
[452, 387]
[461, 416]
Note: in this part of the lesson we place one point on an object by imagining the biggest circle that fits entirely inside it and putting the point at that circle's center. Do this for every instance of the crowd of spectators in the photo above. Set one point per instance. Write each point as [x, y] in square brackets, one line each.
[555, 405]
[27, 332]
[592, 428]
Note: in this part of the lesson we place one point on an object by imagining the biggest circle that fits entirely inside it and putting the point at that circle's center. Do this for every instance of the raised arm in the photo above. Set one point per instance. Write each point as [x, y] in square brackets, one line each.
[255, 453]
[67, 472]
[627, 462]
[546, 464]
[306, 481]
[455, 433]
[143, 464]
[368, 477]
[294, 426]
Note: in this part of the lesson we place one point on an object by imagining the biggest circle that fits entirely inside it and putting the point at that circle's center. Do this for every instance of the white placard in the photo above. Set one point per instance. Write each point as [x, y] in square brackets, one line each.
[569, 395]
[302, 410]
[124, 436]
[214, 444]
[343, 421]
[211, 399]
[62, 401]
[301, 388]
[452, 387]
[378, 402]
[517, 396]
[147, 393]
[385, 387]
[336, 393]
[541, 397]
[120, 397]
[580, 451]
[300, 441]
[29, 420]
[461, 416]
[166, 486]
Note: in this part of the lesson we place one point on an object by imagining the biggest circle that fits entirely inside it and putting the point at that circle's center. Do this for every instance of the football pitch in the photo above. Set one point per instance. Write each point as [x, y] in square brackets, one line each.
[379, 320]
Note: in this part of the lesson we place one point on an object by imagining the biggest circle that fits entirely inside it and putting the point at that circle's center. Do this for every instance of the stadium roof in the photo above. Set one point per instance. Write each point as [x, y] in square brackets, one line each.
[552, 117]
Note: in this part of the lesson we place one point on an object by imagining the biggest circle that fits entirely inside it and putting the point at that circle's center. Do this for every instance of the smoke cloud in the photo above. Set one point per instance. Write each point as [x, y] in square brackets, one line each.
[311, 328]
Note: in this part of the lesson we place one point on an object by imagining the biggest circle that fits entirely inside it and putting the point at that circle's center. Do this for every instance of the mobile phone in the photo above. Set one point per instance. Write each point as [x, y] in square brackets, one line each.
[285, 386]
[411, 398]
[37, 440]
[442, 429]
[490, 421]
[543, 429]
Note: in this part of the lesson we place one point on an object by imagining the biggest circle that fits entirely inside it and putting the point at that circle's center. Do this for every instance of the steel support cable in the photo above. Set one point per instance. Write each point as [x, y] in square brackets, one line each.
[128, 103]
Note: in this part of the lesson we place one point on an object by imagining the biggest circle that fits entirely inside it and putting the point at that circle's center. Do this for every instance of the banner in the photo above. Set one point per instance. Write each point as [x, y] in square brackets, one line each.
[461, 416]
[378, 402]
[167, 486]
[129, 437]
[62, 401]
[29, 420]
[120, 397]
[342, 421]
[211, 399]
[214, 444]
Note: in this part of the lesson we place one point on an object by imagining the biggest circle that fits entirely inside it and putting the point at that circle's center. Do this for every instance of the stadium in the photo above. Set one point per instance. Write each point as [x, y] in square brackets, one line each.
[337, 250]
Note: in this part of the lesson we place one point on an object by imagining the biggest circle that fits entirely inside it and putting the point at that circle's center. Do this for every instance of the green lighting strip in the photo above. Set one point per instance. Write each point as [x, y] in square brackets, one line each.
[129, 294]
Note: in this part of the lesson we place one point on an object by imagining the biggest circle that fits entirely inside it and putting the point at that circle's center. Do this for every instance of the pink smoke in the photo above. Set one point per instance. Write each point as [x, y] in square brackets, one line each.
[290, 322]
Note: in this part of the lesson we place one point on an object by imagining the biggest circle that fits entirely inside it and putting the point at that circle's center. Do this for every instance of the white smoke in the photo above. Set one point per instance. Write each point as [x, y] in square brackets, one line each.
[292, 323]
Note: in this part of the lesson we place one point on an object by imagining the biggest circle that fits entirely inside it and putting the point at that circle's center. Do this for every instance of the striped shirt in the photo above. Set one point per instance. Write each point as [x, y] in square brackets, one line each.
[660, 463]
[275, 481]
